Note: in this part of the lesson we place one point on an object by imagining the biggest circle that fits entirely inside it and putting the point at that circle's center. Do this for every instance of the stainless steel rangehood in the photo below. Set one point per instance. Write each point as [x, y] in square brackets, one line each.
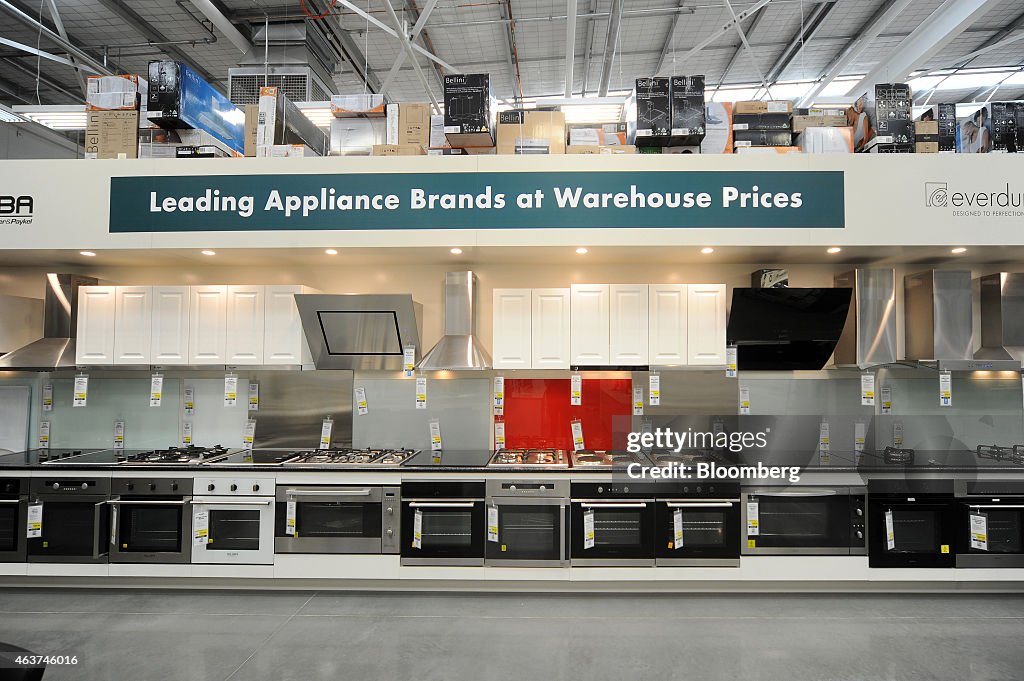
[459, 348]
[56, 349]
[1002, 317]
[359, 331]
[869, 337]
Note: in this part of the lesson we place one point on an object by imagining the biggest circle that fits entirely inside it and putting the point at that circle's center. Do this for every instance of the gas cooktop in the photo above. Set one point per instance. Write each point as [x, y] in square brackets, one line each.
[1014, 454]
[351, 457]
[175, 456]
[591, 458]
[664, 457]
[529, 458]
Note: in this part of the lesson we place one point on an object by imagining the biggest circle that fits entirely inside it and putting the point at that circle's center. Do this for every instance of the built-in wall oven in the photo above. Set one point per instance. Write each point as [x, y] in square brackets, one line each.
[990, 521]
[911, 523]
[612, 524]
[150, 520]
[68, 520]
[233, 521]
[337, 519]
[805, 520]
[13, 507]
[527, 523]
[443, 523]
[698, 525]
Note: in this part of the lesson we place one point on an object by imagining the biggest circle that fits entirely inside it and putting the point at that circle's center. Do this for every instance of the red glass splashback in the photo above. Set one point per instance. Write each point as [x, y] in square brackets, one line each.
[538, 413]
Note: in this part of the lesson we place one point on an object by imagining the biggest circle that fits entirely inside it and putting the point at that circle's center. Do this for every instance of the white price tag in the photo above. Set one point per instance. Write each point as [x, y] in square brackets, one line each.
[730, 362]
[890, 532]
[492, 523]
[254, 397]
[435, 436]
[81, 395]
[362, 408]
[499, 435]
[576, 390]
[186, 433]
[44, 435]
[230, 391]
[744, 399]
[646, 427]
[421, 392]
[638, 401]
[859, 439]
[753, 520]
[979, 531]
[118, 434]
[886, 400]
[249, 434]
[867, 390]
[499, 395]
[417, 529]
[201, 528]
[588, 529]
[190, 400]
[35, 521]
[289, 518]
[325, 433]
[654, 390]
[48, 397]
[156, 390]
[409, 360]
[824, 445]
[945, 389]
[897, 434]
[577, 435]
[677, 528]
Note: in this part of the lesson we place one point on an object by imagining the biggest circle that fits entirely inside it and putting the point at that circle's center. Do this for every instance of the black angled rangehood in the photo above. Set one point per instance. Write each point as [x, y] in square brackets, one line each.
[786, 329]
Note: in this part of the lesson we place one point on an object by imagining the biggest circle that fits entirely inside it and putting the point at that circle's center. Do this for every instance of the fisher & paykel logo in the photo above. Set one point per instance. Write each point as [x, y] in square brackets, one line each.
[16, 210]
[936, 194]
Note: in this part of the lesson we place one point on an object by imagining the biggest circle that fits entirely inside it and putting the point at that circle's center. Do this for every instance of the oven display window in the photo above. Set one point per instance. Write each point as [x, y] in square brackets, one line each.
[916, 531]
[1005, 531]
[335, 519]
[9, 527]
[234, 530]
[150, 529]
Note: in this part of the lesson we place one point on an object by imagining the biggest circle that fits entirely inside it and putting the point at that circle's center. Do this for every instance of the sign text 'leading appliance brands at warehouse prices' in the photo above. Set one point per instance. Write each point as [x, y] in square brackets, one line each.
[502, 200]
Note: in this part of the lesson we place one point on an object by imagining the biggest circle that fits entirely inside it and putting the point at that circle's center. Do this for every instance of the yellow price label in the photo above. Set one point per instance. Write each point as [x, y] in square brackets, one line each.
[751, 543]
[944, 548]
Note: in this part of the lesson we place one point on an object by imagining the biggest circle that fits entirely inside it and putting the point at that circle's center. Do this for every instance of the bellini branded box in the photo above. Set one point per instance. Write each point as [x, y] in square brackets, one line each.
[180, 98]
[653, 118]
[470, 110]
[688, 115]
[1004, 126]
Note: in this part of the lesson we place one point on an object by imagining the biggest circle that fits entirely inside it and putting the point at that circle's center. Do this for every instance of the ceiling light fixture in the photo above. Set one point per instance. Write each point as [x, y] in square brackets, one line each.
[209, 252]
[582, 251]
[331, 251]
[88, 254]
[707, 250]
[834, 249]
[958, 250]
[456, 251]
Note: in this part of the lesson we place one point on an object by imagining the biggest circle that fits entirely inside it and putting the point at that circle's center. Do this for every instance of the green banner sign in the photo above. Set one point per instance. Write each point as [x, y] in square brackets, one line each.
[549, 200]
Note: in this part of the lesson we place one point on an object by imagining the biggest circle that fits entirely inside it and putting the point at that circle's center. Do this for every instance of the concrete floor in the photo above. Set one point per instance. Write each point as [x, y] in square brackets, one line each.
[135, 635]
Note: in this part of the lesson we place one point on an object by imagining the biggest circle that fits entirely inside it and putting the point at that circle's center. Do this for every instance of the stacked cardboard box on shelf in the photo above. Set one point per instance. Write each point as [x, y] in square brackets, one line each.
[408, 125]
[281, 124]
[397, 150]
[688, 121]
[926, 136]
[718, 131]
[826, 140]
[531, 132]
[596, 149]
[113, 107]
[597, 134]
[945, 116]
[369, 104]
[893, 120]
[651, 122]
[356, 136]
[470, 112]
[1004, 126]
[762, 124]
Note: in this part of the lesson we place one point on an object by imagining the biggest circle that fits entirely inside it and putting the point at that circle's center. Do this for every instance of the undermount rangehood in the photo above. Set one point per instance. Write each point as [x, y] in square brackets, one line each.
[459, 347]
[1002, 318]
[56, 349]
[786, 329]
[360, 331]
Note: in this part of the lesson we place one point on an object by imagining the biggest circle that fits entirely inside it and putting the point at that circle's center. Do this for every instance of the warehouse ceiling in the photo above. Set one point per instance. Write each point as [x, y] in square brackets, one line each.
[523, 44]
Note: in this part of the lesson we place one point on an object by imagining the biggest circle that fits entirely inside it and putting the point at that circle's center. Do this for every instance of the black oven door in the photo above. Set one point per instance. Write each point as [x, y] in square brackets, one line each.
[328, 520]
[150, 530]
[529, 534]
[698, 532]
[997, 537]
[12, 529]
[610, 533]
[807, 521]
[443, 532]
[918, 533]
[75, 530]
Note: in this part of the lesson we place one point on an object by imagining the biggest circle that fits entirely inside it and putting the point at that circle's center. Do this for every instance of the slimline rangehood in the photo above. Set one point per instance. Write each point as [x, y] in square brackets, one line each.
[360, 331]
[459, 348]
[56, 349]
[1002, 321]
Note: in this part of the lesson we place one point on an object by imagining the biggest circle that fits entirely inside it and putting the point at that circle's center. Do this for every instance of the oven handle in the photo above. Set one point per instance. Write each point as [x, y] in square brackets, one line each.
[233, 503]
[96, 510]
[810, 492]
[449, 504]
[1009, 506]
[126, 502]
[716, 503]
[362, 492]
[626, 504]
[10, 501]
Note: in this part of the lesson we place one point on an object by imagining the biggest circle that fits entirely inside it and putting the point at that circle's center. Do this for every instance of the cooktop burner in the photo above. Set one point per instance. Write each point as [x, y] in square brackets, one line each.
[352, 457]
[530, 458]
[191, 454]
[1013, 454]
[590, 458]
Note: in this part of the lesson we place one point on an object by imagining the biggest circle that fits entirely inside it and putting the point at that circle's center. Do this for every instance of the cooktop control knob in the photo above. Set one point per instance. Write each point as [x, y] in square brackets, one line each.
[152, 486]
[234, 487]
[512, 488]
[600, 490]
[210, 487]
[543, 488]
[85, 485]
[255, 488]
[56, 485]
[390, 510]
[860, 512]
[390, 532]
[860, 535]
[131, 485]
[174, 486]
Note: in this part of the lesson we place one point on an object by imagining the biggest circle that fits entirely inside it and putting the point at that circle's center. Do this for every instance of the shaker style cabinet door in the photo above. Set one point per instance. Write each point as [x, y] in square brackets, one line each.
[706, 327]
[628, 324]
[283, 340]
[133, 324]
[245, 325]
[169, 343]
[96, 315]
[512, 328]
[207, 338]
[668, 324]
[550, 345]
[589, 321]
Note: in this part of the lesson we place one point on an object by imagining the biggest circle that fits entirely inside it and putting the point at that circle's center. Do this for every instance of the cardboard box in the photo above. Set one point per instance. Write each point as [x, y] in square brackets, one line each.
[926, 127]
[652, 120]
[446, 151]
[531, 132]
[252, 117]
[689, 149]
[437, 138]
[896, 131]
[356, 136]
[115, 93]
[369, 104]
[768, 150]
[112, 134]
[397, 150]
[181, 98]
[600, 149]
[718, 133]
[284, 151]
[826, 141]
[760, 107]
[801, 123]
[688, 114]
[408, 124]
[762, 138]
[470, 110]
[1004, 126]
[281, 122]
[763, 121]
[926, 148]
[191, 151]
[597, 134]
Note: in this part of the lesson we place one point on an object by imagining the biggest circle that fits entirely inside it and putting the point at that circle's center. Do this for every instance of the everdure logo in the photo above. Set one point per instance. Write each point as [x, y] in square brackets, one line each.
[936, 194]
[16, 210]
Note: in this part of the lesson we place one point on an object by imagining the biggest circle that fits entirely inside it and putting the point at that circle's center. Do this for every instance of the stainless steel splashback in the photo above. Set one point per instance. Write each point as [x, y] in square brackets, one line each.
[293, 405]
[1002, 316]
[937, 314]
[869, 336]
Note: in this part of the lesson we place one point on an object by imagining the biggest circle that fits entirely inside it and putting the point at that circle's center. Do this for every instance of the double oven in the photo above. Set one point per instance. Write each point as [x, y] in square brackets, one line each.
[805, 521]
[911, 523]
[990, 523]
[337, 519]
[443, 523]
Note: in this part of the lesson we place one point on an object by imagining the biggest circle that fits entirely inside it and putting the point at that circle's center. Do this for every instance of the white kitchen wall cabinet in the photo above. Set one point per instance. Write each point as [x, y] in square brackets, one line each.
[133, 324]
[284, 342]
[512, 338]
[246, 315]
[169, 343]
[96, 317]
[550, 346]
[628, 320]
[207, 333]
[589, 323]
[706, 324]
[667, 329]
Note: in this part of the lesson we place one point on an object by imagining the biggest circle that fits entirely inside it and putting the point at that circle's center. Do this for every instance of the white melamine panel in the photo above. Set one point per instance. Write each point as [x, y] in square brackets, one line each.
[667, 324]
[245, 325]
[589, 323]
[706, 324]
[628, 321]
[207, 337]
[283, 339]
[170, 325]
[96, 314]
[133, 324]
[511, 346]
[551, 322]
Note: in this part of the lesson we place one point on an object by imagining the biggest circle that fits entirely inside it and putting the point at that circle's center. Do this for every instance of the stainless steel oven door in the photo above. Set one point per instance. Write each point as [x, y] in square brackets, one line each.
[333, 519]
[239, 530]
[623, 532]
[13, 519]
[150, 530]
[1003, 544]
[531, 532]
[709, 529]
[806, 521]
[76, 529]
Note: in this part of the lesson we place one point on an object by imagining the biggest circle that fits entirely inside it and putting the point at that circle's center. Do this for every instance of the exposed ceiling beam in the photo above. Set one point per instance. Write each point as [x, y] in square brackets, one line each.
[723, 28]
[62, 32]
[588, 51]
[610, 41]
[395, 34]
[407, 46]
[41, 53]
[27, 20]
[994, 40]
[223, 24]
[44, 80]
[357, 60]
[808, 31]
[666, 47]
[571, 9]
[13, 92]
[417, 28]
[416, 13]
[739, 48]
[513, 53]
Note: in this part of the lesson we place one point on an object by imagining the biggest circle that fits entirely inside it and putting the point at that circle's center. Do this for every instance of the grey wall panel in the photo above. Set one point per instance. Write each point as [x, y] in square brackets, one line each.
[293, 405]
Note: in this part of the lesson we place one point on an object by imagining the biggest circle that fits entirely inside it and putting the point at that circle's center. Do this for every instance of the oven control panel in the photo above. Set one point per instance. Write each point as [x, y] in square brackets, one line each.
[151, 486]
[858, 520]
[234, 487]
[391, 519]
